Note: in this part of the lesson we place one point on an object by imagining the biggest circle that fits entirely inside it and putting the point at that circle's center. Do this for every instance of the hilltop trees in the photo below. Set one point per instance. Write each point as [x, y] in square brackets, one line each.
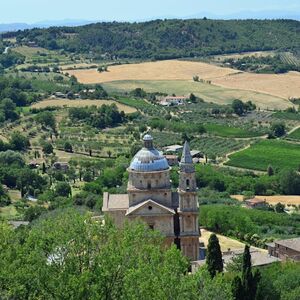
[101, 117]
[160, 39]
[8, 110]
[47, 119]
[18, 142]
[290, 182]
[240, 108]
[278, 129]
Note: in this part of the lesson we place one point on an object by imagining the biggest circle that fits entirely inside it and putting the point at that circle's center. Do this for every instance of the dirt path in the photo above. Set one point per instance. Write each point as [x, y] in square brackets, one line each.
[222, 164]
[292, 130]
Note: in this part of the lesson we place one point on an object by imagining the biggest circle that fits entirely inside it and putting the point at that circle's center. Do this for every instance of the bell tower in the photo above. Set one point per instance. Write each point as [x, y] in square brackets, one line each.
[188, 209]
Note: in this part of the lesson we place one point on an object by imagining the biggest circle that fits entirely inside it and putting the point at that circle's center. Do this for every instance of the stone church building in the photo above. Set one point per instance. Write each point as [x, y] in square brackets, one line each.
[150, 198]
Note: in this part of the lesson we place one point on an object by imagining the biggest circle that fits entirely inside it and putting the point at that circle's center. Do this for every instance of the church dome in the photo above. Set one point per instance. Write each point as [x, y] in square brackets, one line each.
[149, 159]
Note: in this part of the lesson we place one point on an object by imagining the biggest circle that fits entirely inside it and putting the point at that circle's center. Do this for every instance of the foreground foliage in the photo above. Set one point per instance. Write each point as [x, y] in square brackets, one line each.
[69, 256]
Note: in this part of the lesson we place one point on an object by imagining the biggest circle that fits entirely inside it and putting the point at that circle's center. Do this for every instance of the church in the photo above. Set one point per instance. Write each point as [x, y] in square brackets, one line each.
[150, 198]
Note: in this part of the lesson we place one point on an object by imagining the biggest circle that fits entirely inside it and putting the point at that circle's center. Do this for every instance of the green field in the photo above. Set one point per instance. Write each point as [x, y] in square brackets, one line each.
[136, 103]
[37, 55]
[226, 131]
[208, 92]
[295, 135]
[259, 156]
[287, 115]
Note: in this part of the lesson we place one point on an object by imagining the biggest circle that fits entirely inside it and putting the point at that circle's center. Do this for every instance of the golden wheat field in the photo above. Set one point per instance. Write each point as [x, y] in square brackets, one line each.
[275, 89]
[160, 70]
[280, 85]
[81, 103]
[287, 200]
[244, 54]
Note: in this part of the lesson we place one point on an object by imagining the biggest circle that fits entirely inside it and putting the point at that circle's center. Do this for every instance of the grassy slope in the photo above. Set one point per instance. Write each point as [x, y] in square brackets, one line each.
[279, 154]
[208, 92]
[287, 116]
[226, 131]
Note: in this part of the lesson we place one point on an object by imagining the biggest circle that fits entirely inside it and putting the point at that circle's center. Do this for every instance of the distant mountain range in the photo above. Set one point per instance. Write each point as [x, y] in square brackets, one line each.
[43, 24]
[269, 14]
[266, 14]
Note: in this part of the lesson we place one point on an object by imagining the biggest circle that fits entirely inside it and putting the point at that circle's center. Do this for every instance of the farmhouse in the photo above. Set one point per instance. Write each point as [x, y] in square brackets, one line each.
[150, 198]
[173, 148]
[255, 203]
[60, 95]
[173, 100]
[285, 249]
[61, 166]
[172, 160]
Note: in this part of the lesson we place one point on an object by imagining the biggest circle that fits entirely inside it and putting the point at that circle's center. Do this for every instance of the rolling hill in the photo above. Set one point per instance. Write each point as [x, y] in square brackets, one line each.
[165, 39]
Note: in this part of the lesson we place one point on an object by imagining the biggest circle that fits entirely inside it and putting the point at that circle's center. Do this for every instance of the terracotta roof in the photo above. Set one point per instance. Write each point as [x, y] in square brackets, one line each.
[115, 202]
[255, 201]
[293, 244]
[171, 156]
[173, 148]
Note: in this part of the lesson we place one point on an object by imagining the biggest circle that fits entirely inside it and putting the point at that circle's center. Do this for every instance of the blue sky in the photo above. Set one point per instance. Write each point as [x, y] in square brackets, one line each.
[31, 11]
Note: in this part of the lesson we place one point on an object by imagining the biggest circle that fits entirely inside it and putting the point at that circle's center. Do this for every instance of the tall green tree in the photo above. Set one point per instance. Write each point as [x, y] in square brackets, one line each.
[249, 281]
[214, 259]
[237, 289]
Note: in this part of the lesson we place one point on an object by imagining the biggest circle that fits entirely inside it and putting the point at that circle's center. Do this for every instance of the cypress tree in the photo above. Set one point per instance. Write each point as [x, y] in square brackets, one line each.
[249, 281]
[247, 277]
[270, 170]
[237, 289]
[214, 259]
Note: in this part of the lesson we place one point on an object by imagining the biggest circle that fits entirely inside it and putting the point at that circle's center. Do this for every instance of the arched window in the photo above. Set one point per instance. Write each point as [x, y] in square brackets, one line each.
[187, 184]
[149, 185]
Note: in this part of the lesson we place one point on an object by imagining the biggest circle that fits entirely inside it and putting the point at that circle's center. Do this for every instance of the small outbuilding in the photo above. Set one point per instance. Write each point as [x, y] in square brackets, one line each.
[61, 166]
[172, 159]
[285, 249]
[255, 203]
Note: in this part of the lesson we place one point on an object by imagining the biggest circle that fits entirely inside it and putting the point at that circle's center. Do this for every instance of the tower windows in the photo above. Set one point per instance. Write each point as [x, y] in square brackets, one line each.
[187, 184]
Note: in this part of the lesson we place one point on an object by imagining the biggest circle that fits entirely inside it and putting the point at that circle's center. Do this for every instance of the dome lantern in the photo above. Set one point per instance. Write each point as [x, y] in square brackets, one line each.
[148, 141]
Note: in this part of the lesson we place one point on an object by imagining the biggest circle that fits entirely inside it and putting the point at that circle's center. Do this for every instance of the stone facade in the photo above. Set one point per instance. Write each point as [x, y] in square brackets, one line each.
[150, 198]
[285, 249]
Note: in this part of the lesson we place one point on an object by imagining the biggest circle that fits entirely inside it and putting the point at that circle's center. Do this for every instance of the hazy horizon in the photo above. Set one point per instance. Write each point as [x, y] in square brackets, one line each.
[34, 11]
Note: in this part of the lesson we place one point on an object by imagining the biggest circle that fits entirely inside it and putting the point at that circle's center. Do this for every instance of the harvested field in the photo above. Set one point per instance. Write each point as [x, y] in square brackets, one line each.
[82, 103]
[225, 242]
[76, 66]
[244, 54]
[161, 70]
[173, 76]
[208, 92]
[280, 85]
[287, 200]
